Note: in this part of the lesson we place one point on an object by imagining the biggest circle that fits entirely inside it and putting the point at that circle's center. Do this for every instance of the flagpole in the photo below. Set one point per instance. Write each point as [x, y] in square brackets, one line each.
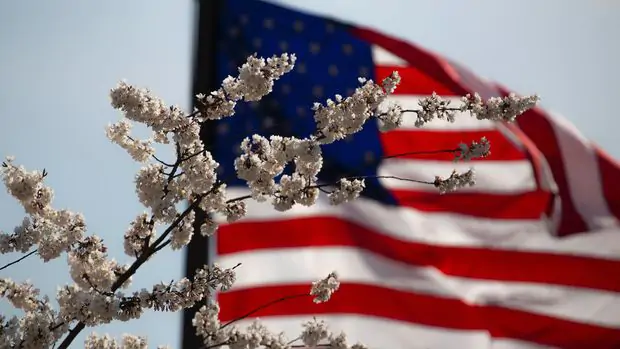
[204, 80]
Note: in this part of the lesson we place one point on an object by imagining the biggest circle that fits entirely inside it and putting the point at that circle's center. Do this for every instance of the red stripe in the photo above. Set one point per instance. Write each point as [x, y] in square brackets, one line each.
[413, 81]
[404, 141]
[432, 65]
[544, 179]
[421, 309]
[538, 128]
[528, 205]
[470, 262]
[610, 172]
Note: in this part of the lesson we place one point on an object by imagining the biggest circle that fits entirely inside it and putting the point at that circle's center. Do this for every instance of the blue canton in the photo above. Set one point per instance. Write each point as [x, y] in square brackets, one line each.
[329, 61]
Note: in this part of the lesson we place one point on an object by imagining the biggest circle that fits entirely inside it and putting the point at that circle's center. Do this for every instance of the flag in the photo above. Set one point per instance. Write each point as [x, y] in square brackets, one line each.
[527, 258]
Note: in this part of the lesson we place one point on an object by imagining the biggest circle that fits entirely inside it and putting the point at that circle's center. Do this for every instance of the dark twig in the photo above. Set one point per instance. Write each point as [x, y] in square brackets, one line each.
[320, 186]
[422, 153]
[275, 301]
[248, 314]
[161, 162]
[19, 259]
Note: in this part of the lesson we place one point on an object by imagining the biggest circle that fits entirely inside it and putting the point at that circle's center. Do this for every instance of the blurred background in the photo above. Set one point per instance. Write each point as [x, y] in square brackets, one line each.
[59, 59]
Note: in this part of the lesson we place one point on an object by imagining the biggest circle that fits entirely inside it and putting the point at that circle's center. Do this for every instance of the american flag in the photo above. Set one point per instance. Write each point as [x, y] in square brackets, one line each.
[528, 258]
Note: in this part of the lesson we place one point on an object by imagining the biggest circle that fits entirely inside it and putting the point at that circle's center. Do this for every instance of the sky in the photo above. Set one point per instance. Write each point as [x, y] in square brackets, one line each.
[59, 59]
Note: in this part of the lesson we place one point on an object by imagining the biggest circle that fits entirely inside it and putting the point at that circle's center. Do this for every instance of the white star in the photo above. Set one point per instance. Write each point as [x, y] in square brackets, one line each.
[369, 157]
[347, 49]
[268, 122]
[243, 19]
[301, 68]
[301, 111]
[333, 70]
[268, 23]
[315, 48]
[329, 27]
[222, 128]
[283, 46]
[286, 89]
[233, 32]
[257, 42]
[317, 91]
[298, 26]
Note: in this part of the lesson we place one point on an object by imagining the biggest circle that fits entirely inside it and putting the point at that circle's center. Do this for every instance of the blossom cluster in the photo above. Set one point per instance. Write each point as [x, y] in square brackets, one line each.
[314, 333]
[95, 295]
[214, 333]
[495, 109]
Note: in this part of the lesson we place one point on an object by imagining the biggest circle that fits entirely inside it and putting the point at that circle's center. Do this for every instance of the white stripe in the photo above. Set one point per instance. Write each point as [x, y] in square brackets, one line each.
[491, 176]
[381, 56]
[582, 174]
[444, 228]
[463, 120]
[377, 333]
[304, 265]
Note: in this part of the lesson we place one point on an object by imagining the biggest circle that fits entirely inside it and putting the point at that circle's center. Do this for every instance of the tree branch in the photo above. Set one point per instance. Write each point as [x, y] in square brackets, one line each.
[153, 248]
[19, 259]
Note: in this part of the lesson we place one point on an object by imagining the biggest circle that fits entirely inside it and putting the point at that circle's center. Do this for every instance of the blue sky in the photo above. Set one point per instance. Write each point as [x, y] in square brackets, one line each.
[59, 59]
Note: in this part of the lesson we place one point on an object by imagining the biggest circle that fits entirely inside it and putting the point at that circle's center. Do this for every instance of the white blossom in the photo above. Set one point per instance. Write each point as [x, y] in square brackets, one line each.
[338, 341]
[22, 296]
[455, 181]
[182, 233]
[344, 116]
[314, 332]
[140, 105]
[141, 230]
[54, 231]
[133, 342]
[475, 149]
[206, 320]
[498, 108]
[346, 191]
[323, 289]
[257, 76]
[90, 267]
[392, 118]
[208, 227]
[129, 341]
[434, 107]
[94, 341]
[139, 150]
[235, 211]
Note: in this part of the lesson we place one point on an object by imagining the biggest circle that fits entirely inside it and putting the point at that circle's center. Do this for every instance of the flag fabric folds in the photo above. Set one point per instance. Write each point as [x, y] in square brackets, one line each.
[527, 258]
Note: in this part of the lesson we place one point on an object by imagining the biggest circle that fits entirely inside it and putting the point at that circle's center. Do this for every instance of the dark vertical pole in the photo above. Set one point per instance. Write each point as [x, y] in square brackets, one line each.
[204, 81]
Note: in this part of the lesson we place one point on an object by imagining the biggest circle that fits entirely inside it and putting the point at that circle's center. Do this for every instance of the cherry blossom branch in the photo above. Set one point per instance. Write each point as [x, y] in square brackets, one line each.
[172, 175]
[193, 177]
[73, 333]
[158, 298]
